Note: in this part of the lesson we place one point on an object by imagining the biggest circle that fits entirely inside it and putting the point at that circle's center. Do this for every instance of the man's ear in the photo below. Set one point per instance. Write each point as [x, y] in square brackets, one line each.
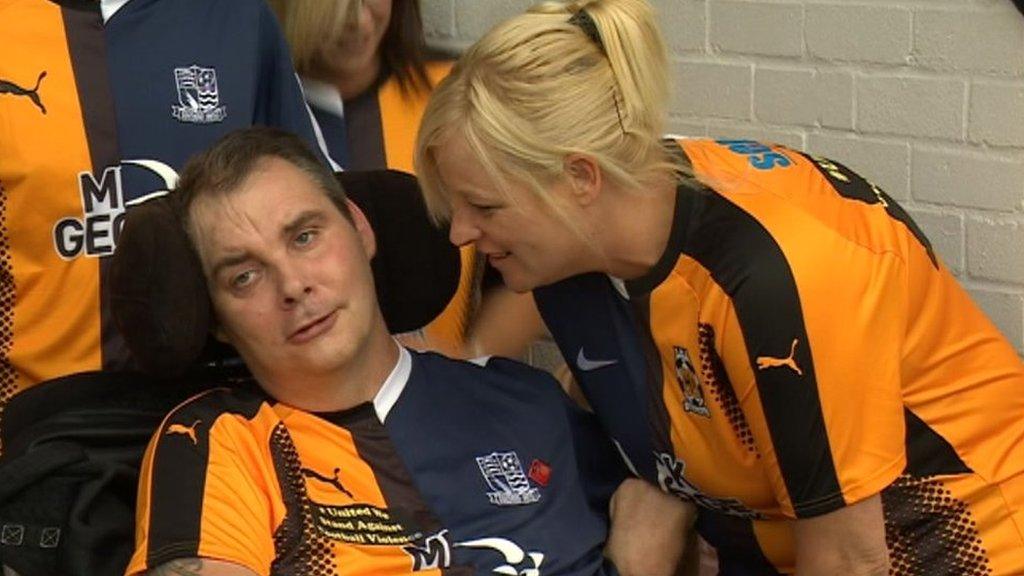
[363, 228]
[584, 176]
[218, 332]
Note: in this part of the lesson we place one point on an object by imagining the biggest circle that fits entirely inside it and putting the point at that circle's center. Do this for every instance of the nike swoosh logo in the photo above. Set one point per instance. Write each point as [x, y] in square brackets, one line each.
[586, 364]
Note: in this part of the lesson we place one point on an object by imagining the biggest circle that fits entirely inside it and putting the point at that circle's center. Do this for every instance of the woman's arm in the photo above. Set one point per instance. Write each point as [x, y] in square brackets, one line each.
[849, 541]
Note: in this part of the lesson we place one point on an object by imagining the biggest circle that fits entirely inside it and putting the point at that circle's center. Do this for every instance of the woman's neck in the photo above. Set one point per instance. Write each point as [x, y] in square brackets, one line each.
[643, 225]
[350, 83]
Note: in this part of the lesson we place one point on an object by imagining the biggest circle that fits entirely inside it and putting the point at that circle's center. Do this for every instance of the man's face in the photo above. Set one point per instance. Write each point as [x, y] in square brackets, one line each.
[288, 274]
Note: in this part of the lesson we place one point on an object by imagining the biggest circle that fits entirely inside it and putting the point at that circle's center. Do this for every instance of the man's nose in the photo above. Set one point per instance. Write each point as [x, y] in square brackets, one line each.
[294, 285]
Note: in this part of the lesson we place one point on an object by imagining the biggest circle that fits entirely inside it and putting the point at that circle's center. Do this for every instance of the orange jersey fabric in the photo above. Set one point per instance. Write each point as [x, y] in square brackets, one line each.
[42, 158]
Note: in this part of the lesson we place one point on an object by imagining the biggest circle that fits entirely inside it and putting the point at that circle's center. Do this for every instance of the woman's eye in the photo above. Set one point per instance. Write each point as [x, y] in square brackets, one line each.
[486, 208]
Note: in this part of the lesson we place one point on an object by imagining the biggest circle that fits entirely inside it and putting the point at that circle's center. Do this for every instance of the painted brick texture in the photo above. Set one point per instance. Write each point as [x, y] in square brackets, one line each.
[923, 97]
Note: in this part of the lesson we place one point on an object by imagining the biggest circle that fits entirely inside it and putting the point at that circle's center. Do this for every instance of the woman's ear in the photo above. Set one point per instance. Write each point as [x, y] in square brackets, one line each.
[584, 175]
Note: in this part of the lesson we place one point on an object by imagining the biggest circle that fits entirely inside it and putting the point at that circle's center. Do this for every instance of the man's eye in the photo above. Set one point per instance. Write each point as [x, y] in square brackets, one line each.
[305, 238]
[243, 279]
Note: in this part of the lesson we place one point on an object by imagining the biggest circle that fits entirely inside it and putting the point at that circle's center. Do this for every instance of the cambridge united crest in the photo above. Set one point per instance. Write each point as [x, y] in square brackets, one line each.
[506, 479]
[693, 394]
[198, 96]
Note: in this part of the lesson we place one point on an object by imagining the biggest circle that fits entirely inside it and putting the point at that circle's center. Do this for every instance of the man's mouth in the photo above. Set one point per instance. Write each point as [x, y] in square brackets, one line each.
[314, 328]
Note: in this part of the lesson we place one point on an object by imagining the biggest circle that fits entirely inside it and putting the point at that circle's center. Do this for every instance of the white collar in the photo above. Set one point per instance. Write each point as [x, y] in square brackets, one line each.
[393, 385]
[109, 7]
[620, 286]
[323, 95]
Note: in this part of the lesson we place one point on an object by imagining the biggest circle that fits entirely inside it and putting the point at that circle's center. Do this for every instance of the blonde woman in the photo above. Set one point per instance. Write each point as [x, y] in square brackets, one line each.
[763, 333]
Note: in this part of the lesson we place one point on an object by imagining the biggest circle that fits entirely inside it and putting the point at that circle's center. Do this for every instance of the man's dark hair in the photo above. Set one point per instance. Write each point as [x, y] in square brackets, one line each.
[222, 168]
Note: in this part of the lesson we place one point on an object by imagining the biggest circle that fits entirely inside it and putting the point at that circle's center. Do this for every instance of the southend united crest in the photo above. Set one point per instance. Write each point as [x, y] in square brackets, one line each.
[198, 96]
[505, 477]
[693, 394]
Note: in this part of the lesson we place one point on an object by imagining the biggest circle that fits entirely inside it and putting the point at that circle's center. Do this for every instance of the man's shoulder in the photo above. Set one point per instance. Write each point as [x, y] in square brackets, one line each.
[217, 6]
[496, 368]
[479, 382]
[209, 406]
[137, 17]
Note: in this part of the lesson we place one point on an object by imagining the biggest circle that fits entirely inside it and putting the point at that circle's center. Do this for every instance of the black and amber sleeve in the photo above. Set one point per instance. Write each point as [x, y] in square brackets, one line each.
[203, 491]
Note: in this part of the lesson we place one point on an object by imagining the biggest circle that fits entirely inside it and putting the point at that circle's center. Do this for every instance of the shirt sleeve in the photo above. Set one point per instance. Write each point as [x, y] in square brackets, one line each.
[202, 494]
[822, 321]
[279, 99]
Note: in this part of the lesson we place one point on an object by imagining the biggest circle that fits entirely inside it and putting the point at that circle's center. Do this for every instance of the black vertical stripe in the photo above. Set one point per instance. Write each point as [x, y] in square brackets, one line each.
[404, 501]
[658, 418]
[87, 46]
[374, 446]
[747, 263]
[365, 132]
[178, 478]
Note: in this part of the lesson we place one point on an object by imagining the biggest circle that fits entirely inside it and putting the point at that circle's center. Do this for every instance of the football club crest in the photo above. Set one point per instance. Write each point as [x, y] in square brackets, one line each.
[693, 393]
[198, 96]
[506, 479]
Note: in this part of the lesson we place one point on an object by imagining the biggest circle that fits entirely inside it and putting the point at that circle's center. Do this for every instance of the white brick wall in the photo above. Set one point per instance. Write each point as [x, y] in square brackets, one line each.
[924, 97]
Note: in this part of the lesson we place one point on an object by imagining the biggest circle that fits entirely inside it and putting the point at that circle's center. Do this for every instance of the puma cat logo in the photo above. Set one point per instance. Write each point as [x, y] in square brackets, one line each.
[7, 87]
[189, 431]
[770, 362]
[335, 481]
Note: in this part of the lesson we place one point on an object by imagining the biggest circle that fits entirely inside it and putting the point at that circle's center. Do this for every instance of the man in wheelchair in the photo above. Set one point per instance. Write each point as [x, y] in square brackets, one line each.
[344, 452]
